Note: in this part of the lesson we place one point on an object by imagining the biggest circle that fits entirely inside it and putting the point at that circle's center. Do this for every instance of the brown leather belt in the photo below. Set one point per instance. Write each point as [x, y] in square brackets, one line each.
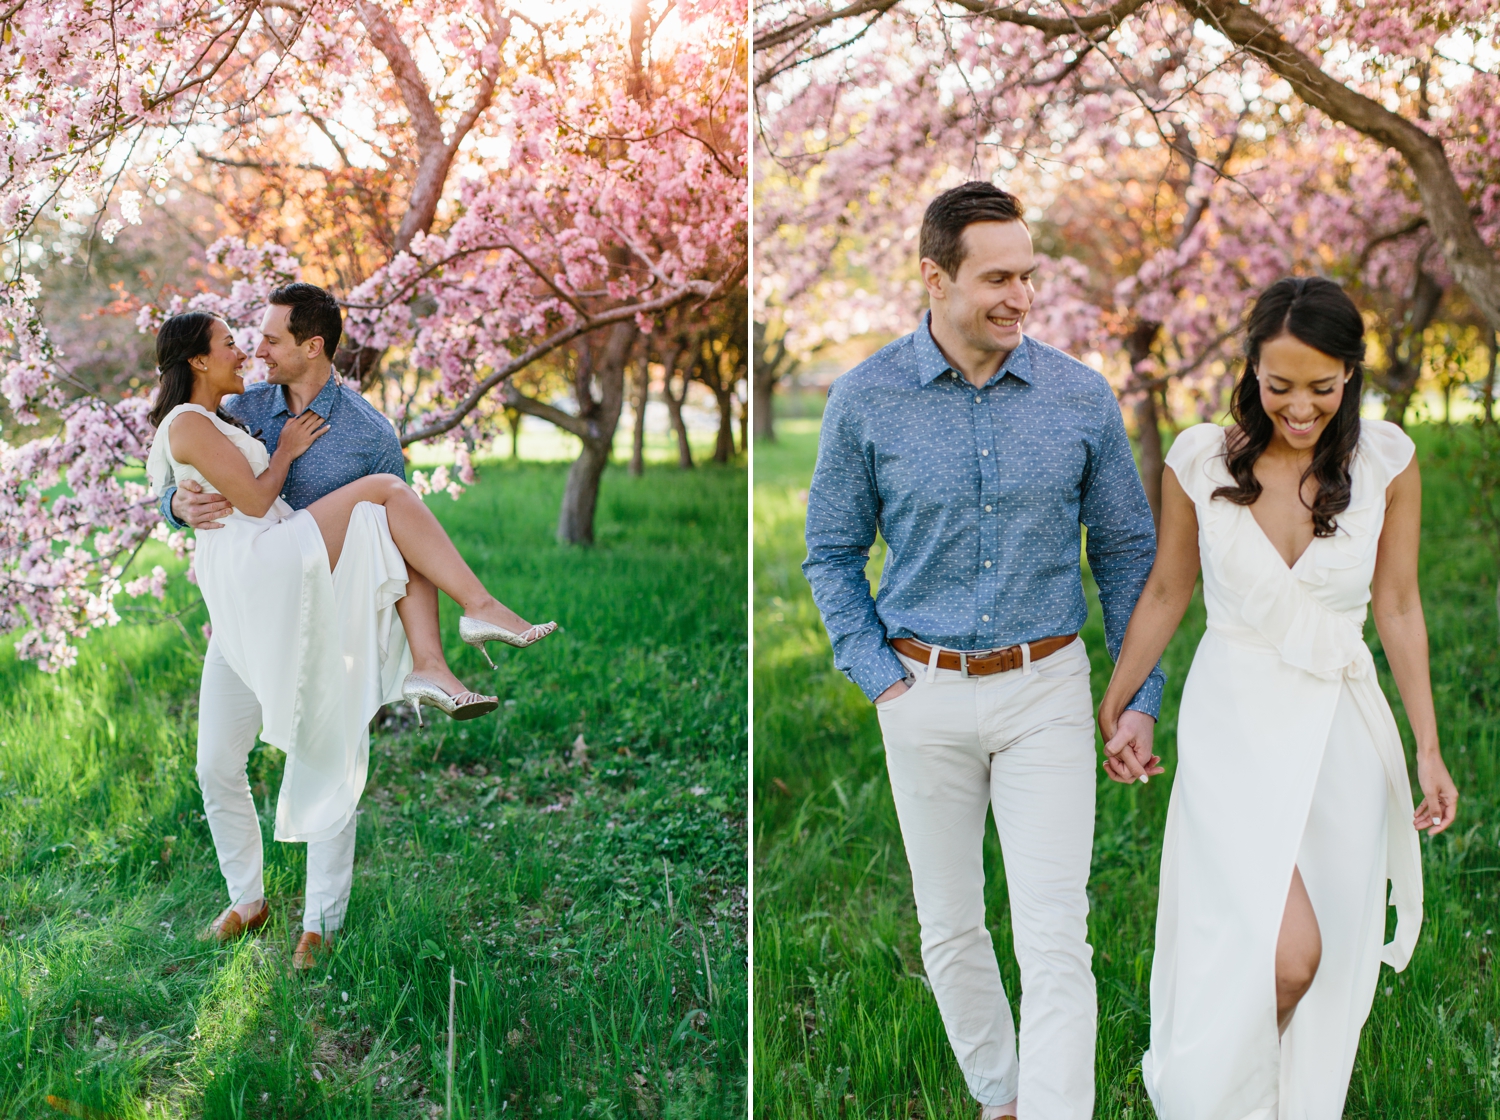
[983, 663]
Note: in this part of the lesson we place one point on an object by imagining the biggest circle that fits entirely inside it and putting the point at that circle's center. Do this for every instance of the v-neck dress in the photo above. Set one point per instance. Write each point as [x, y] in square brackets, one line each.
[321, 650]
[1288, 756]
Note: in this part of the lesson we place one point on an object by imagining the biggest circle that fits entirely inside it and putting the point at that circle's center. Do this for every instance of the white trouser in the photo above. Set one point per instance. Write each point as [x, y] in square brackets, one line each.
[1022, 742]
[229, 719]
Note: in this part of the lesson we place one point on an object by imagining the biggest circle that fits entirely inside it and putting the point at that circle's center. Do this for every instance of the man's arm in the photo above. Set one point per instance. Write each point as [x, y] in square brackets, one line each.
[842, 517]
[1121, 542]
[384, 456]
[390, 459]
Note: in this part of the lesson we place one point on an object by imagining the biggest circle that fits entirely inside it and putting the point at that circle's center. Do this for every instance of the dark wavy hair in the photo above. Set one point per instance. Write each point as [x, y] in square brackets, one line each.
[1320, 314]
[181, 339]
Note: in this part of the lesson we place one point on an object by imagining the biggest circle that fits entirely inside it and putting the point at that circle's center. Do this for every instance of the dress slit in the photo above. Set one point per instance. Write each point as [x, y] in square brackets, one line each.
[1282, 677]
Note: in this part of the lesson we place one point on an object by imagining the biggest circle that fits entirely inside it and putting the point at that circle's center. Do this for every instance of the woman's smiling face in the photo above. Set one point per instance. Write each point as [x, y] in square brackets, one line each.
[1300, 389]
[218, 370]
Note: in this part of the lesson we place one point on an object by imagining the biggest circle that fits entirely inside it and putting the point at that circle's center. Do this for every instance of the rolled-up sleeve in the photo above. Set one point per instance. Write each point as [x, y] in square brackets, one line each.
[843, 509]
[1121, 541]
[165, 505]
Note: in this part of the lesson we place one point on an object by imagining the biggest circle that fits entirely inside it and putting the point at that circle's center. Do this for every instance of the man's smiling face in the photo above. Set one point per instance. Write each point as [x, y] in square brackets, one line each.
[987, 301]
[286, 361]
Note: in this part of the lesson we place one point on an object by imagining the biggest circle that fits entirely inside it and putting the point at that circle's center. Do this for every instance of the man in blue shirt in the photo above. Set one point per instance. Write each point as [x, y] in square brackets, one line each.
[299, 336]
[978, 454]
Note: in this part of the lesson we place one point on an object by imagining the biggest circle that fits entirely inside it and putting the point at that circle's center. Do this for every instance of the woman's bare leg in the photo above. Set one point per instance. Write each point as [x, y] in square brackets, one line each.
[422, 541]
[419, 618]
[1299, 949]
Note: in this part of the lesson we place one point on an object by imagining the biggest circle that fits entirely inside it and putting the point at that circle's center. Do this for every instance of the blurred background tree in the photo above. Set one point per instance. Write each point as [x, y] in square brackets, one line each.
[1175, 156]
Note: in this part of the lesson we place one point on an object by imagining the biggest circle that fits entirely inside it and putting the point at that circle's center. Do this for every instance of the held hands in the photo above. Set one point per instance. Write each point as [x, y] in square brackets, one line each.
[299, 434]
[1440, 796]
[1127, 746]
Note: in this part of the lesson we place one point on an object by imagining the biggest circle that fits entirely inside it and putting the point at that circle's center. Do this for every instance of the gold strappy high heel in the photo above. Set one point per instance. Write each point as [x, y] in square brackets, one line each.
[476, 632]
[466, 705]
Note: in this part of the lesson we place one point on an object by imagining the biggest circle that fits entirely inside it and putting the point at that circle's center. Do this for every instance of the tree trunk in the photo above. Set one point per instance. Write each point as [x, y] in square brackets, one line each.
[674, 409]
[1399, 380]
[744, 424]
[638, 403]
[575, 523]
[1489, 381]
[675, 401]
[772, 363]
[764, 394]
[724, 444]
[1148, 427]
[513, 421]
[602, 363]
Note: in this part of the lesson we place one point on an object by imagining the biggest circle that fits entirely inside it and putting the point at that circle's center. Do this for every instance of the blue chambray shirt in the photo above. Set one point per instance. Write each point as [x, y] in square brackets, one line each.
[979, 494]
[359, 441]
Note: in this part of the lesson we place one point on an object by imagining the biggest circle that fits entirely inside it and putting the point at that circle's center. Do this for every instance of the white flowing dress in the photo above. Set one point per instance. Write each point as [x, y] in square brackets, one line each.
[1288, 756]
[321, 651]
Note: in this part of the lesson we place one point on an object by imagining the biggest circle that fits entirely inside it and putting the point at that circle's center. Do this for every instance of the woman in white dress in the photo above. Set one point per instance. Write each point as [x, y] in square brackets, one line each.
[305, 604]
[1290, 805]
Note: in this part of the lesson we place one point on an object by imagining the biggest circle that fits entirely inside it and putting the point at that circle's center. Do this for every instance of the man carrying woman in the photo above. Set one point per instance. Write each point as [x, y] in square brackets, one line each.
[284, 481]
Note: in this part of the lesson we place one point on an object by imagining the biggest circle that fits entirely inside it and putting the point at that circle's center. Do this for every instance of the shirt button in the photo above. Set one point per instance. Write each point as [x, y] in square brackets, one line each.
[986, 563]
[986, 451]
[978, 400]
[989, 509]
[984, 618]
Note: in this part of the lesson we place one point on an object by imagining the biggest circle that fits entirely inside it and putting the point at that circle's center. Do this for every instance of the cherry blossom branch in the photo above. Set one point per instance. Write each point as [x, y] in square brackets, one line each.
[435, 153]
[1474, 266]
[708, 292]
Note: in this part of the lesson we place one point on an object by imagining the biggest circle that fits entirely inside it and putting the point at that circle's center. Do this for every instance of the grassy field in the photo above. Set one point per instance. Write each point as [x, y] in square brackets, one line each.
[578, 859]
[844, 1024]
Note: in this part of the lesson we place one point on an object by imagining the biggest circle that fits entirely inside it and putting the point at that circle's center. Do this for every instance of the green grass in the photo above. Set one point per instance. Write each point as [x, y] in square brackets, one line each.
[844, 1025]
[533, 866]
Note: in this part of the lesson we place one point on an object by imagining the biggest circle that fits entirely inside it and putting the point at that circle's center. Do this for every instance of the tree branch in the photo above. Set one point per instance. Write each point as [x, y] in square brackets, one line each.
[435, 154]
[568, 334]
[564, 420]
[788, 32]
[1052, 27]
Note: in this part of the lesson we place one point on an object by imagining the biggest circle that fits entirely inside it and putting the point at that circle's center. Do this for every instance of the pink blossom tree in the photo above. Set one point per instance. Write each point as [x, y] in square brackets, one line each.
[1177, 157]
[485, 187]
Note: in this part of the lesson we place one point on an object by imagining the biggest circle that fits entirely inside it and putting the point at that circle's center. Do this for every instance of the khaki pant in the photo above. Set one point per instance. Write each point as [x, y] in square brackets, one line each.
[1022, 743]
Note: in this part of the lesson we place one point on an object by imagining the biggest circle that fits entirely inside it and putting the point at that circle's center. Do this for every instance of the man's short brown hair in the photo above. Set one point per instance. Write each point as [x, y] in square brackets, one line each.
[951, 212]
[315, 314]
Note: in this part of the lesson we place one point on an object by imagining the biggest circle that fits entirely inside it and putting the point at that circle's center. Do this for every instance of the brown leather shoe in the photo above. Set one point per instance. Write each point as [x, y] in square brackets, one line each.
[305, 956]
[229, 925]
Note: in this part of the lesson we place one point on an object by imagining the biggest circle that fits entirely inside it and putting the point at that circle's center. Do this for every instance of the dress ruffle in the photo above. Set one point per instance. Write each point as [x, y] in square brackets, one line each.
[1285, 744]
[1282, 608]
